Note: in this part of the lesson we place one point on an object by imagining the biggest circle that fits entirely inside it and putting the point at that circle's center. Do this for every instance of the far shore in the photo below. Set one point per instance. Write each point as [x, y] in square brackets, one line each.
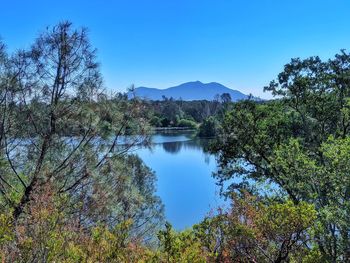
[173, 128]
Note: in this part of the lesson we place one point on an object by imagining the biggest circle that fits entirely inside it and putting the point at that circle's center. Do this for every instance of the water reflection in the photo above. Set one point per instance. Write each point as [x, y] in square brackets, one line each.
[184, 171]
[172, 147]
[176, 147]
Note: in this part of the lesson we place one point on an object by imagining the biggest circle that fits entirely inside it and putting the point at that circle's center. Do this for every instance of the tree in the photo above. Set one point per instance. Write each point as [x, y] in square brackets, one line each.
[256, 230]
[209, 128]
[225, 98]
[180, 246]
[59, 129]
[287, 142]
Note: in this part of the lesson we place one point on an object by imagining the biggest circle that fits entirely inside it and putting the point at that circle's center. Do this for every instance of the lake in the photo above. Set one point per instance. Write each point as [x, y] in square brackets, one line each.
[184, 171]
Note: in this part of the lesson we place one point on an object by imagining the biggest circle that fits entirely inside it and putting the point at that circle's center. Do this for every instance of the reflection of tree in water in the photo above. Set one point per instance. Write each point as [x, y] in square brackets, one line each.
[175, 147]
[172, 147]
[207, 158]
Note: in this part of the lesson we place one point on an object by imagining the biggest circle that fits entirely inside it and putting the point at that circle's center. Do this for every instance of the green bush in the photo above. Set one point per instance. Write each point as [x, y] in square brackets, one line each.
[186, 123]
[156, 121]
[209, 128]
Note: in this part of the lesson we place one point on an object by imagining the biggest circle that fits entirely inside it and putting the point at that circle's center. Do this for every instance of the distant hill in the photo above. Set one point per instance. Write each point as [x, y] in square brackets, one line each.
[188, 91]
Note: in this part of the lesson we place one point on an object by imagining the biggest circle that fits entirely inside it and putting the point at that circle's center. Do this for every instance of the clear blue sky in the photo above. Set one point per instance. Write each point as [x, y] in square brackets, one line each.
[160, 43]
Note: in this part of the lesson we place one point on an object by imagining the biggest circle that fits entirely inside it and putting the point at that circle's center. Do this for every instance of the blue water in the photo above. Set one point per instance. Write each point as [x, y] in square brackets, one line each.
[184, 171]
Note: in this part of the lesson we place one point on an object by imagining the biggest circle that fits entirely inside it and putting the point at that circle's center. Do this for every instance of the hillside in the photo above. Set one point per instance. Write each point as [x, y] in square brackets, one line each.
[189, 91]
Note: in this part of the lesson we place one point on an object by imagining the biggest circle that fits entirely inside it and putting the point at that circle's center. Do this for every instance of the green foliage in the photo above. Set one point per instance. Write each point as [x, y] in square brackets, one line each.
[209, 128]
[48, 234]
[300, 144]
[186, 123]
[6, 230]
[256, 230]
[70, 192]
[165, 122]
[65, 168]
[156, 121]
[170, 112]
[180, 247]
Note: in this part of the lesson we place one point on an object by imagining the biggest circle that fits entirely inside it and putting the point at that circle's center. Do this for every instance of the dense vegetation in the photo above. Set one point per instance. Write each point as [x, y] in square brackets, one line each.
[188, 114]
[66, 180]
[300, 144]
[71, 190]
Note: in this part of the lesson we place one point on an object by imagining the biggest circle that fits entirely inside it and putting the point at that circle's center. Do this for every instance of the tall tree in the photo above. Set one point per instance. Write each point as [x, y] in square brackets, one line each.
[285, 141]
[59, 128]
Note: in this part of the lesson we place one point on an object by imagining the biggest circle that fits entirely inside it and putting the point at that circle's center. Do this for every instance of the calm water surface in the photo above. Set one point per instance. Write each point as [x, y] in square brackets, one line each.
[184, 171]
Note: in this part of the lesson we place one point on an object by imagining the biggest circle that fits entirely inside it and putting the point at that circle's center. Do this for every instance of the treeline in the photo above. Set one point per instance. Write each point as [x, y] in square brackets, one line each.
[167, 113]
[178, 113]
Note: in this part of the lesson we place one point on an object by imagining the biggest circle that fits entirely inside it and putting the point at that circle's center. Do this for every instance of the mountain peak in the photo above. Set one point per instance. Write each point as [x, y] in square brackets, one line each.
[189, 91]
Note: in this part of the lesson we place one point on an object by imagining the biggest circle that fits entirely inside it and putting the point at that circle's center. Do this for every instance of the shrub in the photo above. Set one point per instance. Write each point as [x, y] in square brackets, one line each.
[209, 128]
[186, 123]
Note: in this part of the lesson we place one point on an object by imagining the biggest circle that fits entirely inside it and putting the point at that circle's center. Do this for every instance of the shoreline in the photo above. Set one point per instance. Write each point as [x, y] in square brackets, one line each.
[173, 129]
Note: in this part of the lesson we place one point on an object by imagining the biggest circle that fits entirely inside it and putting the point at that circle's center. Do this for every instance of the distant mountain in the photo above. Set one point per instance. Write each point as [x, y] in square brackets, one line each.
[188, 91]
